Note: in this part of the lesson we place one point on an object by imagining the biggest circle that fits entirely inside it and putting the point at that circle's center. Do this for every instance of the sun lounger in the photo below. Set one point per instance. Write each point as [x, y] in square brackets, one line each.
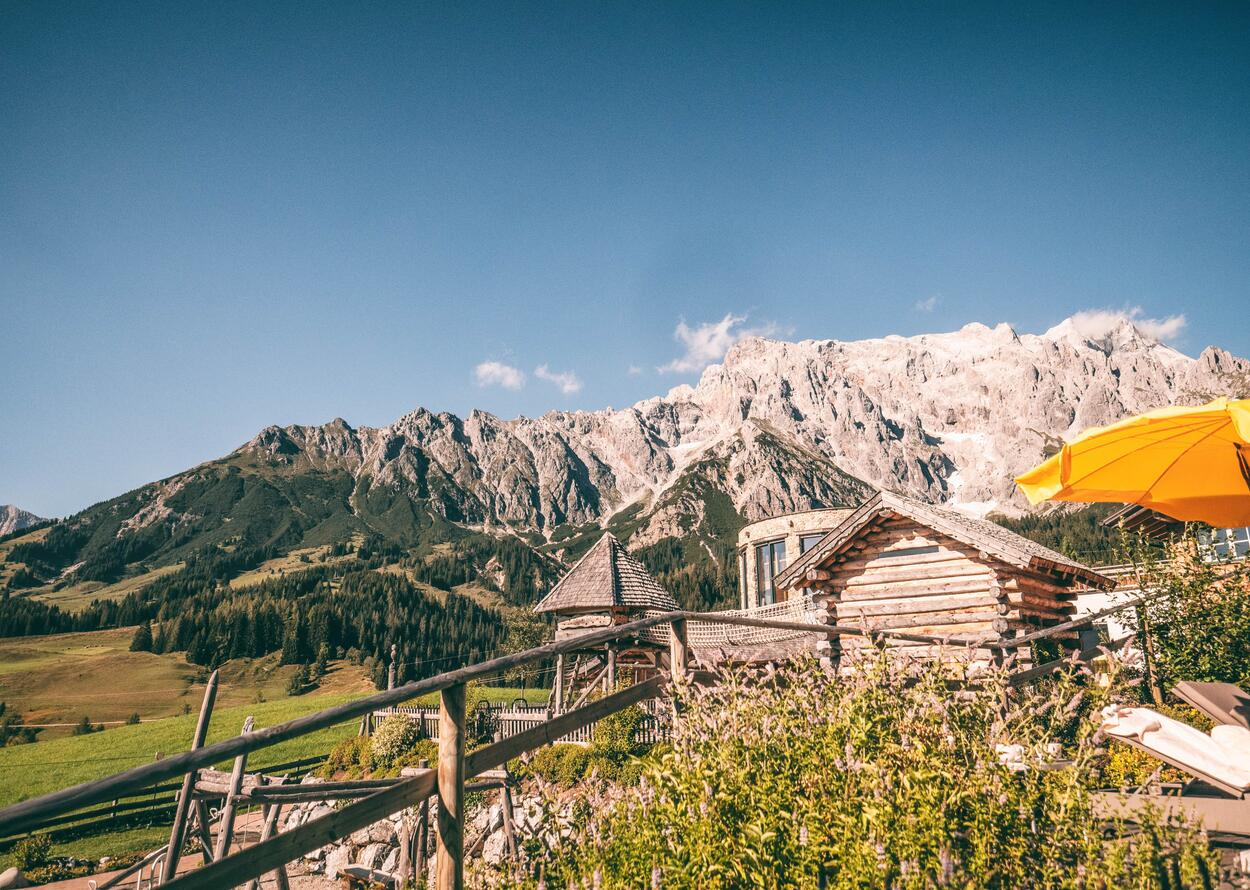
[1225, 703]
[1221, 758]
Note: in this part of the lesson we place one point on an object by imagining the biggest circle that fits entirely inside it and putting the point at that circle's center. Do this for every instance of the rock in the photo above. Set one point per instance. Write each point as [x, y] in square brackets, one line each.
[369, 876]
[391, 862]
[11, 877]
[337, 859]
[494, 848]
[378, 833]
[372, 855]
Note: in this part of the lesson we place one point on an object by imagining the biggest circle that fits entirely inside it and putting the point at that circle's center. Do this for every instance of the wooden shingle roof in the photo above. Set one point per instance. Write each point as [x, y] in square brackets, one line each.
[607, 577]
[989, 537]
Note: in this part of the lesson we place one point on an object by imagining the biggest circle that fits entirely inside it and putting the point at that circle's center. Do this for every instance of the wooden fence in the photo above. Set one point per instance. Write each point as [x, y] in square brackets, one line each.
[454, 766]
[505, 721]
[150, 803]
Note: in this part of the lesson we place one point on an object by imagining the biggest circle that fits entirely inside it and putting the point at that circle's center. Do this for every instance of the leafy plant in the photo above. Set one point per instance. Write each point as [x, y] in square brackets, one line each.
[1199, 620]
[32, 852]
[394, 738]
[886, 778]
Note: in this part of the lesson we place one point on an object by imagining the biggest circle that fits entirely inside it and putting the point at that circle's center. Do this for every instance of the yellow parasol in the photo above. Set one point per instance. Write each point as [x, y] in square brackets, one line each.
[1190, 463]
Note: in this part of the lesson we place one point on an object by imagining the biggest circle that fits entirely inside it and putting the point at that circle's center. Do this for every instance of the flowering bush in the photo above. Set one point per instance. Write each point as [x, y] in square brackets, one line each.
[890, 778]
[392, 740]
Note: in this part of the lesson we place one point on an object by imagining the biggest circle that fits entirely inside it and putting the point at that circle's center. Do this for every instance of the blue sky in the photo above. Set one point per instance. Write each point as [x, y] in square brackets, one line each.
[218, 216]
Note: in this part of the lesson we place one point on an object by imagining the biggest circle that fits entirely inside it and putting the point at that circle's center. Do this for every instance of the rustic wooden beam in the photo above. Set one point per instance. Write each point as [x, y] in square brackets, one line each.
[450, 867]
[421, 841]
[273, 813]
[173, 852]
[225, 825]
[678, 650]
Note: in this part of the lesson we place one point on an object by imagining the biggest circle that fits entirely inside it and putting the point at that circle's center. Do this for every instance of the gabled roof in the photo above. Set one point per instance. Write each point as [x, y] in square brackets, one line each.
[1005, 546]
[607, 577]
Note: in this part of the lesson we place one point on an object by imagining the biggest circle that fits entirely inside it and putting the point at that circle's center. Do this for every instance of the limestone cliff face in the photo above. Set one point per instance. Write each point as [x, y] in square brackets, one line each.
[778, 426]
[13, 519]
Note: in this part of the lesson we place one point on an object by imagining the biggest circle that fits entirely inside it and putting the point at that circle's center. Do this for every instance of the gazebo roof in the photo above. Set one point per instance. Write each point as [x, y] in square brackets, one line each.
[607, 577]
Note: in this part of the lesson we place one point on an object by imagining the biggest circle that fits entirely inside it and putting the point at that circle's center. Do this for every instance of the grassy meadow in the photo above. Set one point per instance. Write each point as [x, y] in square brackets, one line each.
[61, 678]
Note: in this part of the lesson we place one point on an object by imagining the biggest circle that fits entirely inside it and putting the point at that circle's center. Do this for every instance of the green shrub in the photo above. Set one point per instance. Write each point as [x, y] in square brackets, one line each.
[421, 749]
[1200, 622]
[613, 736]
[883, 779]
[32, 852]
[393, 739]
[350, 757]
[562, 764]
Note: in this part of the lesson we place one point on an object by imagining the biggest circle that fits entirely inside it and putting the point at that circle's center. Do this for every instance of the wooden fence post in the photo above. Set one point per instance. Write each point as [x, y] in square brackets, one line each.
[273, 814]
[557, 688]
[391, 671]
[174, 850]
[225, 828]
[678, 650]
[450, 869]
[422, 840]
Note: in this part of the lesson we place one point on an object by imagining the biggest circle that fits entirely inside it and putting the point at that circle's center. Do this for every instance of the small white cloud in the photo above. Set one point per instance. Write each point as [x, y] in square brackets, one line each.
[498, 374]
[634, 370]
[1096, 323]
[927, 305]
[567, 381]
[709, 342]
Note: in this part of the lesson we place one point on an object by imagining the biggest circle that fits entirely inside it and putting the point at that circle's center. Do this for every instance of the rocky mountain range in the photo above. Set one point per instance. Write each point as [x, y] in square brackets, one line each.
[776, 426]
[779, 426]
[14, 519]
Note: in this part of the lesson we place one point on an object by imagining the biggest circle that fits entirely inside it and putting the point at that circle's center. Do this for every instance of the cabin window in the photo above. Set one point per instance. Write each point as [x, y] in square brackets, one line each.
[908, 552]
[807, 542]
[742, 577]
[770, 560]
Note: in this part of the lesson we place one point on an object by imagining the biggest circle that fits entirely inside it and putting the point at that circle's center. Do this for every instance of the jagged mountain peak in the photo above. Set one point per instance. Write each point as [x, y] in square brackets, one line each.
[14, 519]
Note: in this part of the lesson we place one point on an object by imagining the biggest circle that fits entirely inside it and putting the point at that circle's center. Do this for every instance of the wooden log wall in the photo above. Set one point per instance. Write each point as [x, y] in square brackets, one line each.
[900, 574]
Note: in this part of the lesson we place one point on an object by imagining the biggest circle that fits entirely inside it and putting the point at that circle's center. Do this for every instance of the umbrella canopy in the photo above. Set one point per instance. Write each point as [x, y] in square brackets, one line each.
[1190, 463]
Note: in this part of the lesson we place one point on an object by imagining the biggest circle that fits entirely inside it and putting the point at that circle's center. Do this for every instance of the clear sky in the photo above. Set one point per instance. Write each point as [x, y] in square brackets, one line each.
[218, 216]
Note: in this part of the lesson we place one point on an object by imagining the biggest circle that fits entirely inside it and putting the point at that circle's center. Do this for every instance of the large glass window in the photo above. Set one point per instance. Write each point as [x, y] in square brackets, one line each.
[770, 561]
[1228, 543]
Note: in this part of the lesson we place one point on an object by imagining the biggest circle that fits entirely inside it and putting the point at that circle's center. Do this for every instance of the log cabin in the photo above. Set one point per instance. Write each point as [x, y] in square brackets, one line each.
[898, 563]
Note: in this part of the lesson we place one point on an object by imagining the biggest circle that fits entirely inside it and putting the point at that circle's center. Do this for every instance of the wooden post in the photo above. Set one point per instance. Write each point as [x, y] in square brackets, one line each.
[225, 830]
[273, 814]
[174, 851]
[678, 650]
[203, 823]
[403, 868]
[557, 690]
[422, 834]
[390, 673]
[509, 827]
[450, 870]
[611, 679]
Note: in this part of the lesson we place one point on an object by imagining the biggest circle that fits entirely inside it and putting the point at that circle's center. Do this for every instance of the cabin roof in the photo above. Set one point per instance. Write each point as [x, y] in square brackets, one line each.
[986, 536]
[607, 576]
